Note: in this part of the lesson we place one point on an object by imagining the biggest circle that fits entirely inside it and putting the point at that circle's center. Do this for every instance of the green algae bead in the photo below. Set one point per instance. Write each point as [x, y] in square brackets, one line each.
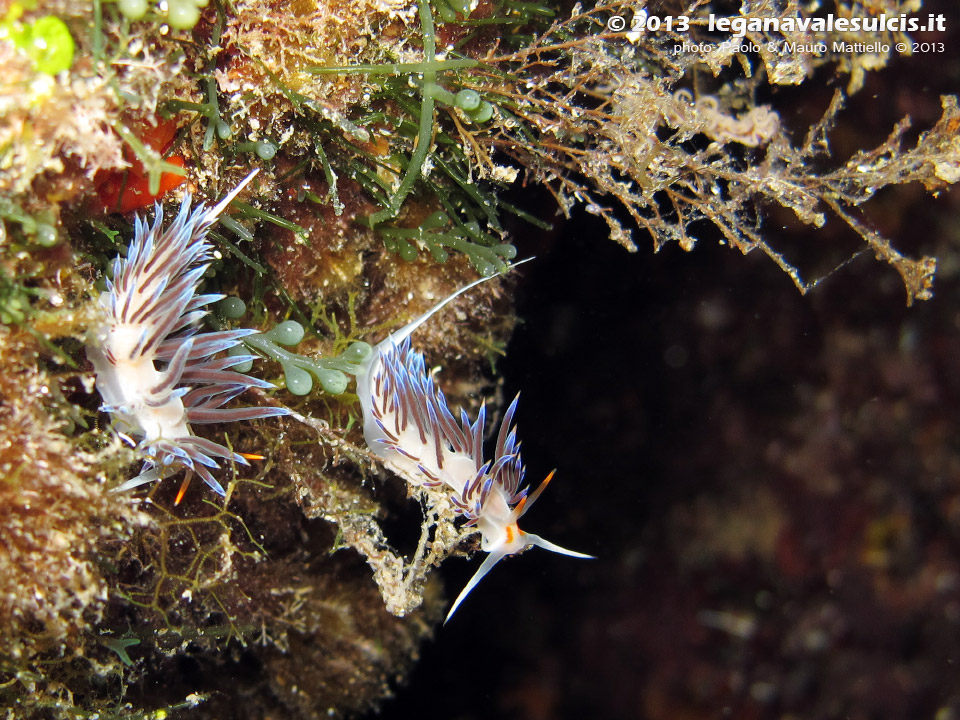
[243, 367]
[46, 235]
[183, 15]
[357, 352]
[435, 220]
[133, 9]
[446, 13]
[51, 45]
[484, 267]
[333, 381]
[506, 251]
[289, 332]
[461, 6]
[266, 150]
[13, 311]
[298, 380]
[232, 308]
[468, 100]
[408, 252]
[483, 113]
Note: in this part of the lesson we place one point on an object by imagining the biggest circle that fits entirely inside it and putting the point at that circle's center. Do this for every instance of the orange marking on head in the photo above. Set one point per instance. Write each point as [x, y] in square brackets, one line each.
[253, 456]
[509, 531]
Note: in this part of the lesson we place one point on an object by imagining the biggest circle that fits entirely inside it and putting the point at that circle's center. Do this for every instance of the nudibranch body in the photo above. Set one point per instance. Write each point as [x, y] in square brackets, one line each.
[157, 373]
[406, 422]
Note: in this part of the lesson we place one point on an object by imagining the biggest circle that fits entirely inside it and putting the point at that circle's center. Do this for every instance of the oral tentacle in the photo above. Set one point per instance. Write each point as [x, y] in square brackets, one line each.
[486, 566]
[536, 540]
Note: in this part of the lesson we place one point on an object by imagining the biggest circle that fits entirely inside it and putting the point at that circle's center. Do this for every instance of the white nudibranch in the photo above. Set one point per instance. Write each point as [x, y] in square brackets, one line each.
[406, 422]
[157, 373]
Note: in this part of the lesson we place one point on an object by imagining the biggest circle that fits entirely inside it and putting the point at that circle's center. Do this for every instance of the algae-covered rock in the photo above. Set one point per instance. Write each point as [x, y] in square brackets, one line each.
[399, 146]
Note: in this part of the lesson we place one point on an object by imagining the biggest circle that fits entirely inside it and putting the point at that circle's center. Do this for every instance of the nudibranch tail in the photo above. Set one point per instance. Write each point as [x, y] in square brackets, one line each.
[157, 372]
[407, 330]
[370, 367]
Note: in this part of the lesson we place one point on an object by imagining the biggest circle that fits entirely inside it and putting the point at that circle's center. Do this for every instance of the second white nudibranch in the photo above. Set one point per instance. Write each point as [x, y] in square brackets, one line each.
[406, 422]
[157, 372]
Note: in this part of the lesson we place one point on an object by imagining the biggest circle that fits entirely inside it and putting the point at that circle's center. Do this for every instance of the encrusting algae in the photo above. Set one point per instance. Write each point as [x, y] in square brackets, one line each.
[386, 135]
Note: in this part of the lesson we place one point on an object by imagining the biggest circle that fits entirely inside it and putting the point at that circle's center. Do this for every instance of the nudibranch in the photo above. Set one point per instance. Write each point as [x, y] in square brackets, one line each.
[406, 423]
[157, 373]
